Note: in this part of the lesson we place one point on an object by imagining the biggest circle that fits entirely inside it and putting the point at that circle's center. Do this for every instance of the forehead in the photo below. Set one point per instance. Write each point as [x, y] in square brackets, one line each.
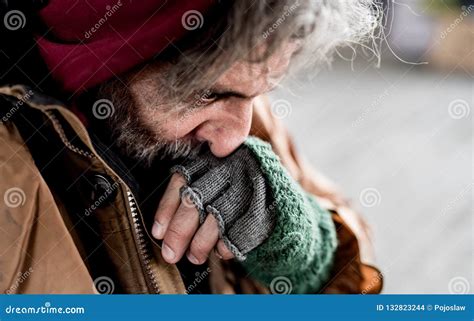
[257, 77]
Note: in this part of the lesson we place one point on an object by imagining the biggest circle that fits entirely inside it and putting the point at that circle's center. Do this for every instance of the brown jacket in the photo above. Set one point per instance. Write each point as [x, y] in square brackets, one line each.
[50, 243]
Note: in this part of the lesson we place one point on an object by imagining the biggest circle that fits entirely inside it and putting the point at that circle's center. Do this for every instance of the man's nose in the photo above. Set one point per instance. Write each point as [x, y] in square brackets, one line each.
[227, 127]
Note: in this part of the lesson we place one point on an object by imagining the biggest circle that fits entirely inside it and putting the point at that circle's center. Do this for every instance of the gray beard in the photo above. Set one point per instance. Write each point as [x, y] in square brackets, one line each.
[147, 149]
[133, 137]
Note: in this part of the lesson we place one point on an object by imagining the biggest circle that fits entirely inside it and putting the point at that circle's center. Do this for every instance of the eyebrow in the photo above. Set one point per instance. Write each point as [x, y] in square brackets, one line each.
[227, 92]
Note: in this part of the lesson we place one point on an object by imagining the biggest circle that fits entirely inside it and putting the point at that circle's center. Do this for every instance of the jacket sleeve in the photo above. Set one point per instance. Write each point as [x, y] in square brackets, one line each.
[352, 270]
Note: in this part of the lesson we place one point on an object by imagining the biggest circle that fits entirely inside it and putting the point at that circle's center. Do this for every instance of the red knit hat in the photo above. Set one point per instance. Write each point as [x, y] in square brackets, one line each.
[90, 41]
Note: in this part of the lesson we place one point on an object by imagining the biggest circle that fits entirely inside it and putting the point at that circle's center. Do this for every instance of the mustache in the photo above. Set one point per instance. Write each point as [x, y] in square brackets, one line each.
[180, 149]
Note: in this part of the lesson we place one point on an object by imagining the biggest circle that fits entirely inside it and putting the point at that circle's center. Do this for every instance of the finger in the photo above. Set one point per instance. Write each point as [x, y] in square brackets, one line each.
[179, 233]
[223, 252]
[169, 204]
[204, 241]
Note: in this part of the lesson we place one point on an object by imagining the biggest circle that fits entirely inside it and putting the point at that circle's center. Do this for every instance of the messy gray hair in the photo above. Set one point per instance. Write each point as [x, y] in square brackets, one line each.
[232, 31]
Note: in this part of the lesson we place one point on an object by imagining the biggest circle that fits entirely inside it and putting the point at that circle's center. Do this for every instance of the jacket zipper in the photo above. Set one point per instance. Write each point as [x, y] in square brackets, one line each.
[142, 244]
[143, 251]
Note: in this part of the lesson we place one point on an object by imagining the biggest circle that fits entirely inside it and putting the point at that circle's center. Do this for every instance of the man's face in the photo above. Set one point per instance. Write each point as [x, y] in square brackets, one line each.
[220, 116]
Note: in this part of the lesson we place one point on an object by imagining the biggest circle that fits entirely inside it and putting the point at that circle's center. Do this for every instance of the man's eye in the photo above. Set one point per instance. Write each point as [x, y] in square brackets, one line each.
[204, 99]
[209, 97]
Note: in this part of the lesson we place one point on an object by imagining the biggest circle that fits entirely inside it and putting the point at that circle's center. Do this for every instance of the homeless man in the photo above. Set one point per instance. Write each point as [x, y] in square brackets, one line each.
[140, 153]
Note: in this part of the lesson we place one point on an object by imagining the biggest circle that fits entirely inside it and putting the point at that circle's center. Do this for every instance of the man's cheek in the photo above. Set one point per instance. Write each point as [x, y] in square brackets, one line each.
[182, 125]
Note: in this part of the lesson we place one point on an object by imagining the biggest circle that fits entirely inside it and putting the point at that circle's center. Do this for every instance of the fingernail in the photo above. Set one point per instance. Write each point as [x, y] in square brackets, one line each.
[157, 230]
[167, 252]
[192, 259]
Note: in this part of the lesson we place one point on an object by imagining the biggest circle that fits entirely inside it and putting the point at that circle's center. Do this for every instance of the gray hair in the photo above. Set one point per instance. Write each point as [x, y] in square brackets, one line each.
[234, 29]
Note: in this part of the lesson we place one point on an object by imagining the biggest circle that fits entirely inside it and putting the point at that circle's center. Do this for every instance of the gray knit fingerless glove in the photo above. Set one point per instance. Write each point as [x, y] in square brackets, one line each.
[233, 189]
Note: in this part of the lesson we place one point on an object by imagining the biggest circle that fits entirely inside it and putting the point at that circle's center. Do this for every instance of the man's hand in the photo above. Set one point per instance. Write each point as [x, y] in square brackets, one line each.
[233, 190]
[177, 223]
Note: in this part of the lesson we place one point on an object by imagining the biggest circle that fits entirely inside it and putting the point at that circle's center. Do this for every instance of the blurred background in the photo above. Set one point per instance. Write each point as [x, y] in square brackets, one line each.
[397, 140]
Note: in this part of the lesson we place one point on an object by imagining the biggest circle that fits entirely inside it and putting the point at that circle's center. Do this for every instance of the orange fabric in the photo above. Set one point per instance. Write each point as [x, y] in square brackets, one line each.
[38, 254]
